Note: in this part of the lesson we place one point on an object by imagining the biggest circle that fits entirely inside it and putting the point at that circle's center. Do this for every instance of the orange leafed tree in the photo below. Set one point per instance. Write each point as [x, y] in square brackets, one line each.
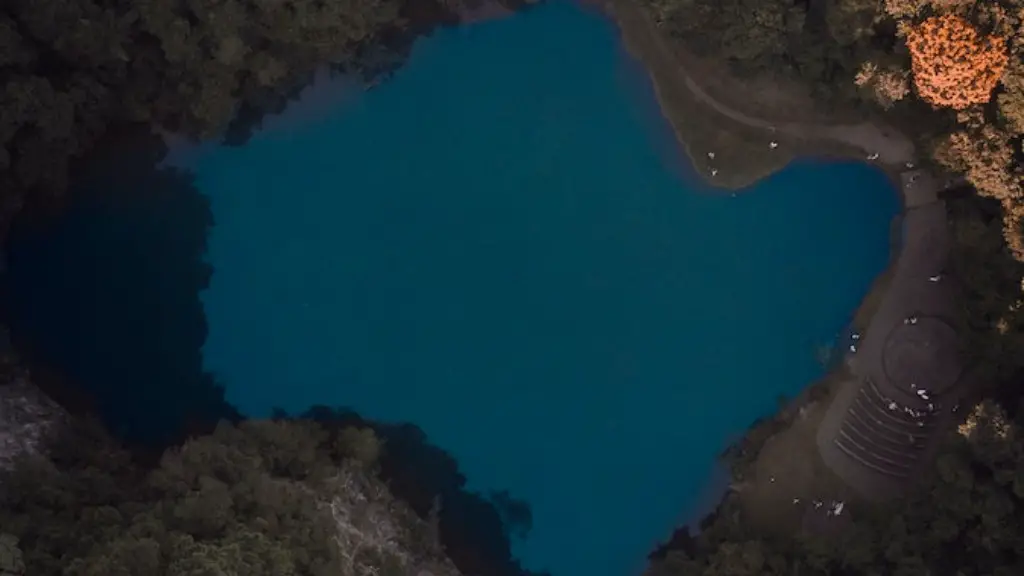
[954, 65]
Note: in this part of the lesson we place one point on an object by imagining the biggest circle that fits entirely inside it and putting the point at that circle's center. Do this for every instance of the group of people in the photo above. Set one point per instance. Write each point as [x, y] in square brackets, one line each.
[711, 156]
[835, 507]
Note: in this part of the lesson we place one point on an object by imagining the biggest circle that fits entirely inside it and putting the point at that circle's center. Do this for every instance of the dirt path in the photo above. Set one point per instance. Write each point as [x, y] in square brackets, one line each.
[891, 146]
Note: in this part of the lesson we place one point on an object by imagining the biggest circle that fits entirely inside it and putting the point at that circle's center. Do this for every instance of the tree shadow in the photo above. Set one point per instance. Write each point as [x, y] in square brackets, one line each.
[474, 529]
[107, 292]
[373, 62]
[991, 278]
[102, 297]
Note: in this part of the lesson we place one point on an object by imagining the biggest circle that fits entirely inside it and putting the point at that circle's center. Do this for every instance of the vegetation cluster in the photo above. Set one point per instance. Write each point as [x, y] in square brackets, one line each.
[70, 70]
[952, 64]
[274, 498]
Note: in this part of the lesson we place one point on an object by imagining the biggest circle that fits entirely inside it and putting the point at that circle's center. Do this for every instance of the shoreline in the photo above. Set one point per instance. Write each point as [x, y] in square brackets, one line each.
[787, 154]
[720, 145]
[473, 530]
[678, 96]
[378, 57]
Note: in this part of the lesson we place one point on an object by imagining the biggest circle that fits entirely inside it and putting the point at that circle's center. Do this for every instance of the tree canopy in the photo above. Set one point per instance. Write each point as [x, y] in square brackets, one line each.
[70, 69]
[273, 498]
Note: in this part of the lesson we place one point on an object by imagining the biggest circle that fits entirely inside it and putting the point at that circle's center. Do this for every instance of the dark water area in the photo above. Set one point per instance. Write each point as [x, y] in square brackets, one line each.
[496, 259]
[108, 293]
[104, 300]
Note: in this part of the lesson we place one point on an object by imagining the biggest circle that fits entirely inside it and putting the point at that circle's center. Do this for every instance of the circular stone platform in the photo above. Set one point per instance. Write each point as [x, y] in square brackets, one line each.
[926, 354]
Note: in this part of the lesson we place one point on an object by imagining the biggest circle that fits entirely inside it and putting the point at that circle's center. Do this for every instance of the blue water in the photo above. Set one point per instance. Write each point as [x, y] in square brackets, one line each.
[500, 246]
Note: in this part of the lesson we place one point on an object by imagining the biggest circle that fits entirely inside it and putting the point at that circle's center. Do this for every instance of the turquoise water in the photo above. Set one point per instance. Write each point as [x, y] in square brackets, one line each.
[500, 245]
[493, 245]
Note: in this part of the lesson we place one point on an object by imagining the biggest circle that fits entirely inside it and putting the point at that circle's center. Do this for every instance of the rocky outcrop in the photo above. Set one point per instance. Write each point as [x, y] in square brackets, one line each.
[377, 532]
[27, 419]
[11, 562]
[27, 415]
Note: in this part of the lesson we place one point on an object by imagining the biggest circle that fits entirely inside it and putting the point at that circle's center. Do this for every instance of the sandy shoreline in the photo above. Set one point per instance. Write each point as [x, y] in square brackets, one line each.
[729, 147]
[732, 149]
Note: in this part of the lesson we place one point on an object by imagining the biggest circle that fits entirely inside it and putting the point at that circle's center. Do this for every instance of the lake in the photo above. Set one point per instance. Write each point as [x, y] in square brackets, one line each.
[499, 244]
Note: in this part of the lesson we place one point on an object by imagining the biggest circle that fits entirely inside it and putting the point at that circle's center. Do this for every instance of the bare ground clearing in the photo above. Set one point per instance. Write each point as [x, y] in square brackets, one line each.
[728, 126]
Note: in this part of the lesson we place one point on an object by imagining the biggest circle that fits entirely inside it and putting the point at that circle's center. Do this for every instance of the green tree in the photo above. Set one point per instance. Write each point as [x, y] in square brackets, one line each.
[266, 498]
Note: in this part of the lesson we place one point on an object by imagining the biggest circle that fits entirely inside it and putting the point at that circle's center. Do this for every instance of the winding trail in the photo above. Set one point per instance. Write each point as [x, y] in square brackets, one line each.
[872, 138]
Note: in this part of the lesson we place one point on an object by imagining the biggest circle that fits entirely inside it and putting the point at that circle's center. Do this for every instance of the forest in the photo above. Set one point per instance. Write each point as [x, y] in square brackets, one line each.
[270, 498]
[73, 71]
[950, 74]
[277, 497]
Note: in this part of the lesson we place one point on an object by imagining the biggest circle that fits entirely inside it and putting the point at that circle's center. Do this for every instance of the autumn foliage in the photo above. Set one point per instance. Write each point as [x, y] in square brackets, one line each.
[954, 66]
